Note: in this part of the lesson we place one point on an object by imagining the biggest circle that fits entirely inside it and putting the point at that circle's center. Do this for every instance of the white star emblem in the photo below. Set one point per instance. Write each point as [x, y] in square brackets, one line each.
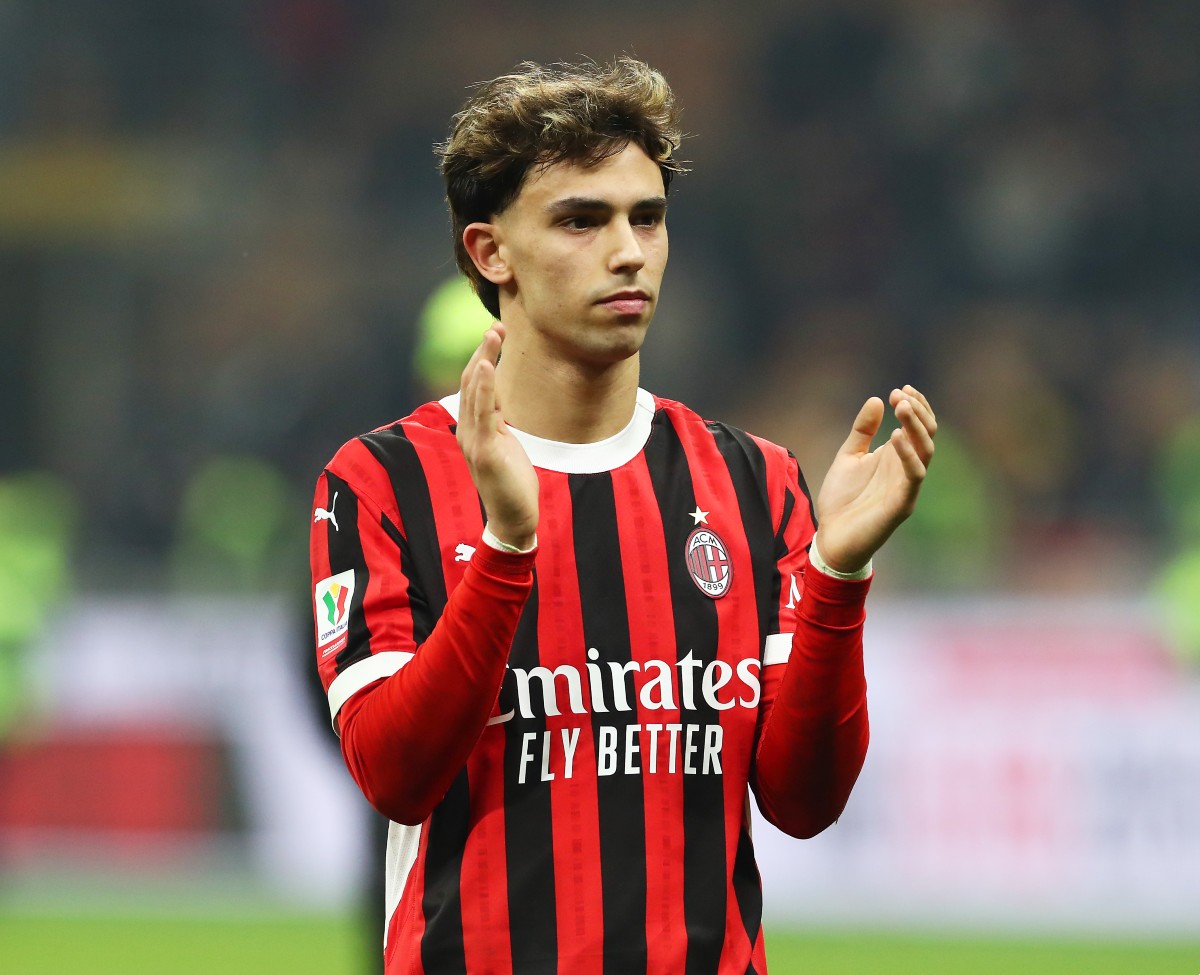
[701, 517]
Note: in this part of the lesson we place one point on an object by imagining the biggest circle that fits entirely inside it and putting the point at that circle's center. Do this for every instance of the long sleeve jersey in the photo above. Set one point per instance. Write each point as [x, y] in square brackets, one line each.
[565, 740]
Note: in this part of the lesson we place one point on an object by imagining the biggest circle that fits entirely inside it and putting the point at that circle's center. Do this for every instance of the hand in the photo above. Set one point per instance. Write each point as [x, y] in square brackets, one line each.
[868, 493]
[503, 475]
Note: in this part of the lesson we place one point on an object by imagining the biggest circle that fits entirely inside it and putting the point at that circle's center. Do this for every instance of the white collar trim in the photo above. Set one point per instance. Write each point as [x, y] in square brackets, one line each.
[583, 458]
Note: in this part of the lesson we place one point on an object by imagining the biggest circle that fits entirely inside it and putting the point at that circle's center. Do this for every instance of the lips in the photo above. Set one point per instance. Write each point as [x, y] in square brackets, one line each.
[627, 302]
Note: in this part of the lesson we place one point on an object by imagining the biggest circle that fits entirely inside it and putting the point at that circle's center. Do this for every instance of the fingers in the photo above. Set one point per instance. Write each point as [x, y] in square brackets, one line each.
[919, 403]
[915, 467]
[916, 419]
[916, 432]
[866, 425]
[480, 370]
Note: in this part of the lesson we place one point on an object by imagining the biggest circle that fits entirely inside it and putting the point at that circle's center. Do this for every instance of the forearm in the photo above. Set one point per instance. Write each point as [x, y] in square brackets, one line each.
[405, 738]
[814, 740]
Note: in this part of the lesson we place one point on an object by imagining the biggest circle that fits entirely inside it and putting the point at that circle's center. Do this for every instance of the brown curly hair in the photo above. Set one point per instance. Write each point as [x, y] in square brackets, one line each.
[544, 114]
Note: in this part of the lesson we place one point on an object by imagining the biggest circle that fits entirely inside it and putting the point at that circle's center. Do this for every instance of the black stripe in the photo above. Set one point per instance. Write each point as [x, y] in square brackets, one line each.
[789, 505]
[442, 943]
[421, 556]
[620, 796]
[696, 633]
[748, 471]
[345, 552]
[423, 617]
[528, 822]
[747, 885]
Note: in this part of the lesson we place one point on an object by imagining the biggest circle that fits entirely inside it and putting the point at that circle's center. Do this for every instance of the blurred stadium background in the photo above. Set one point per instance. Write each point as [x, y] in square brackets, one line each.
[220, 231]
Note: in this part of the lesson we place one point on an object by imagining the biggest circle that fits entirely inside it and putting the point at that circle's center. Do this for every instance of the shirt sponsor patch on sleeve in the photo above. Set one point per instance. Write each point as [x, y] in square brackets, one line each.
[332, 598]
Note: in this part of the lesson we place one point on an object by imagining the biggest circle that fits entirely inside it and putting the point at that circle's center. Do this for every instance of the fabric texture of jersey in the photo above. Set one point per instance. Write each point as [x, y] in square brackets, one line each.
[565, 740]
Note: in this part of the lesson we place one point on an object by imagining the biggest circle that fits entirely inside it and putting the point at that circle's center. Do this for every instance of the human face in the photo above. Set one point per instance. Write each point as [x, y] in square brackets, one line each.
[584, 249]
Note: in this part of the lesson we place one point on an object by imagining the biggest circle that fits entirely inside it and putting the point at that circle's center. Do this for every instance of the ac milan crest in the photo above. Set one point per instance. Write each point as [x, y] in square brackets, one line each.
[708, 562]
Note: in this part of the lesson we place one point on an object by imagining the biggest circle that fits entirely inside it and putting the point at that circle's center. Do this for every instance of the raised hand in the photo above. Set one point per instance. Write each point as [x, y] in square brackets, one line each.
[503, 475]
[868, 493]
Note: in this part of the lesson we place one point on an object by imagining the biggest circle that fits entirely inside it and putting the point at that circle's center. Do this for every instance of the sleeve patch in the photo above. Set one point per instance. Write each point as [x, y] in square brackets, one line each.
[331, 601]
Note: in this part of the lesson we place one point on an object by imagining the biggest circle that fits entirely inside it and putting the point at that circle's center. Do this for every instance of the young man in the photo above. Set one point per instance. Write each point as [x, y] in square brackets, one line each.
[565, 624]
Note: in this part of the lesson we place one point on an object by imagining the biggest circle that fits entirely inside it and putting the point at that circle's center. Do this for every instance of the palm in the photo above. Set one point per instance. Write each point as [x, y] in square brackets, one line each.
[868, 493]
[506, 464]
[500, 468]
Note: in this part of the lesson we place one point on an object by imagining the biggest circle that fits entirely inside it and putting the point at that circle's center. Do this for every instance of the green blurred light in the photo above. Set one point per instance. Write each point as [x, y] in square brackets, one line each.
[953, 534]
[1179, 591]
[449, 328]
[1178, 478]
[237, 512]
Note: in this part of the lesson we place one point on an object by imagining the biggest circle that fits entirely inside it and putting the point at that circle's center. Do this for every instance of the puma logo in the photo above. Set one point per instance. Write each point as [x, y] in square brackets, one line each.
[322, 515]
[463, 552]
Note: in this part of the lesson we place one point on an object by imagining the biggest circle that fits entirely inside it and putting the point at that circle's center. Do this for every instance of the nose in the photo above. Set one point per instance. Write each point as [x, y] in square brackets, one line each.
[626, 254]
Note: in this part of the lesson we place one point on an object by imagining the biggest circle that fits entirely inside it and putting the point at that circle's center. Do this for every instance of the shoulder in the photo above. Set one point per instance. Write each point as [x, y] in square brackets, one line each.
[369, 461]
[731, 440]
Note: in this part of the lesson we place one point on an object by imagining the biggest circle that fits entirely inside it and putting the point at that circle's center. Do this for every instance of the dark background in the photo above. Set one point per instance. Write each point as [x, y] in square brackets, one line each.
[219, 221]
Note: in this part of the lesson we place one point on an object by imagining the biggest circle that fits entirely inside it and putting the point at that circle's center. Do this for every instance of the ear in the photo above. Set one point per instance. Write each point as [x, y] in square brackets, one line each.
[483, 244]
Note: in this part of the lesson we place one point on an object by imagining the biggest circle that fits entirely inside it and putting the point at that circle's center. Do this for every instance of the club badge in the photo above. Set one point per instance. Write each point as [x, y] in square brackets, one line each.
[708, 562]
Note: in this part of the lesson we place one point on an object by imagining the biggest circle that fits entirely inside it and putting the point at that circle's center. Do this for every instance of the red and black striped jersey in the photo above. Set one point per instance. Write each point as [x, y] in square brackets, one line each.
[565, 740]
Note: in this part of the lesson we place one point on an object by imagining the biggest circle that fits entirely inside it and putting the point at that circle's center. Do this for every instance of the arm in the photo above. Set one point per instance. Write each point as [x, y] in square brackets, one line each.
[813, 722]
[813, 726]
[408, 731]
[406, 737]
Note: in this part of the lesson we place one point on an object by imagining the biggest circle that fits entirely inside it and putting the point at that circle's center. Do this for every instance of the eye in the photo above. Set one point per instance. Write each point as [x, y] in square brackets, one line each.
[648, 219]
[579, 222]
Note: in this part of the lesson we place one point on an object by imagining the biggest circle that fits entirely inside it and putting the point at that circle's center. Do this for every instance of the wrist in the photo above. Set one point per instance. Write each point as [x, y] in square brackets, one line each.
[817, 561]
[517, 545]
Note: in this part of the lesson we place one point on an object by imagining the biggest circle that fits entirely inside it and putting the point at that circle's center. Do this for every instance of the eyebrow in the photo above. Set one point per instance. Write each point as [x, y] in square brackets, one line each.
[586, 204]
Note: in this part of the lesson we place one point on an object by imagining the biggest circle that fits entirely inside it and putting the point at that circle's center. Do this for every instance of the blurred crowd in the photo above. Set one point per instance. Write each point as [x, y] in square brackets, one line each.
[220, 221]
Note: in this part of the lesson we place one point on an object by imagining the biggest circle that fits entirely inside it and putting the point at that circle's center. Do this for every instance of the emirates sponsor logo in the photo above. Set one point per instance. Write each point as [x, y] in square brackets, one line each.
[601, 687]
[719, 684]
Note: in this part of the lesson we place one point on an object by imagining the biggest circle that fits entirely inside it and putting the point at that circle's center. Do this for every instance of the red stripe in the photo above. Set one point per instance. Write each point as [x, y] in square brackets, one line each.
[783, 476]
[759, 955]
[648, 601]
[798, 534]
[456, 510]
[778, 462]
[738, 637]
[575, 808]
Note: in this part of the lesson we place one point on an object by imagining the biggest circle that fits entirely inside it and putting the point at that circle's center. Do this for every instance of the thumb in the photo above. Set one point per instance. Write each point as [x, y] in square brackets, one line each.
[866, 425]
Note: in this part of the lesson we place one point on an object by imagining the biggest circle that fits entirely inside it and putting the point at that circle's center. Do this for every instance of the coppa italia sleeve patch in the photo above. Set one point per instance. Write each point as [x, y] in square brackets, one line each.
[331, 599]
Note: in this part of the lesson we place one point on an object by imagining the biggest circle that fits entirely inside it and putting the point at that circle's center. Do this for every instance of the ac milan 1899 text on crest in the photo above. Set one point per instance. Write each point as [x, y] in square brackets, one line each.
[708, 562]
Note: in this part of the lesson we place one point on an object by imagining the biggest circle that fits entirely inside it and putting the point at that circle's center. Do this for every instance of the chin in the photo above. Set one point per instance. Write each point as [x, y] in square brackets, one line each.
[621, 344]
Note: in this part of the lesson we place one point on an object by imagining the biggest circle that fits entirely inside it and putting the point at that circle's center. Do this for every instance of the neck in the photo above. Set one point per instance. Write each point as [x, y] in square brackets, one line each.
[569, 402]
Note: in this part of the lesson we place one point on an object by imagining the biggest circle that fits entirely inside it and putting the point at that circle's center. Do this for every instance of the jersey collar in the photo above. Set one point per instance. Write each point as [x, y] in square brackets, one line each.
[583, 458]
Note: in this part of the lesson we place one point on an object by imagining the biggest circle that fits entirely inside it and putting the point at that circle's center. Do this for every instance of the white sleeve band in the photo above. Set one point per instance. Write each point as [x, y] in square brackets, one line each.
[777, 649]
[490, 539]
[818, 563]
[358, 675]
